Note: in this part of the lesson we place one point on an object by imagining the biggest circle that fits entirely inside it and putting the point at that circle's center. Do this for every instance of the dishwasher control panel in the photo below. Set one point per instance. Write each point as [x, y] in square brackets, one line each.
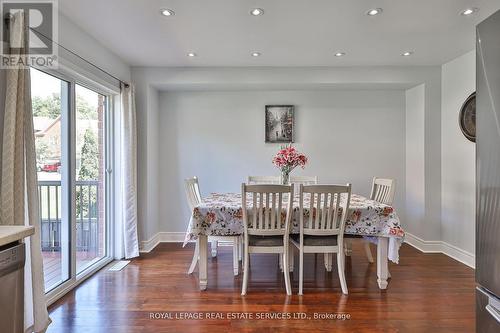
[12, 258]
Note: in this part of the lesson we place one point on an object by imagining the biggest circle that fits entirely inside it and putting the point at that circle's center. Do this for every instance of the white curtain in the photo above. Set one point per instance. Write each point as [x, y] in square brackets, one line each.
[18, 190]
[128, 172]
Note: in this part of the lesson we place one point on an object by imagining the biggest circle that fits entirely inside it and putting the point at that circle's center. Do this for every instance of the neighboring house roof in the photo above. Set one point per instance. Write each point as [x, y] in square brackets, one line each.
[42, 125]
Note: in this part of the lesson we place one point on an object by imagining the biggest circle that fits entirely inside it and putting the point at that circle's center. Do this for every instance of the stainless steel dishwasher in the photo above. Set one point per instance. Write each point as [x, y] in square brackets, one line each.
[12, 257]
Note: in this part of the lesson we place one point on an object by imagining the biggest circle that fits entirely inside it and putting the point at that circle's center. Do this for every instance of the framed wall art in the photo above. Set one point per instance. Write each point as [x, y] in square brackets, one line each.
[280, 123]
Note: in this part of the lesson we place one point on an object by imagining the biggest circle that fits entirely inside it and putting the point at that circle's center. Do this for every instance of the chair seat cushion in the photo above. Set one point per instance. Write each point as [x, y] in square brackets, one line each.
[310, 240]
[254, 240]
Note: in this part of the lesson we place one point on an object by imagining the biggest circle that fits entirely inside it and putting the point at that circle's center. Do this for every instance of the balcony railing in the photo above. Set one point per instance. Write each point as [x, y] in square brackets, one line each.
[87, 215]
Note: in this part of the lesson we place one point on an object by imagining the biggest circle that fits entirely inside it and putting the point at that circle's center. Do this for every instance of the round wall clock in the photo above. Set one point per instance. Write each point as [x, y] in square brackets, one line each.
[467, 118]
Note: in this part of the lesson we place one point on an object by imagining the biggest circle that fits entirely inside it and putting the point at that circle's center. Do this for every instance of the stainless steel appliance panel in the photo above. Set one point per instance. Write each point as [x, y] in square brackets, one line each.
[12, 258]
[488, 154]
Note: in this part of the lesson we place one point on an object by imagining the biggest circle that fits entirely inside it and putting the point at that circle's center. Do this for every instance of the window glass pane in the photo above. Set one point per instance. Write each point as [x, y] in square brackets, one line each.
[50, 118]
[90, 177]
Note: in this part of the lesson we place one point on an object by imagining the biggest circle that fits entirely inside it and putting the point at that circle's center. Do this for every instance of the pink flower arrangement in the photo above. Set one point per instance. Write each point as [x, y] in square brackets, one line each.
[287, 159]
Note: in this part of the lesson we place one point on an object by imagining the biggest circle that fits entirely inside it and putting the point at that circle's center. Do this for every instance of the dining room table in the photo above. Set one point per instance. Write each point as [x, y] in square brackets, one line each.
[220, 214]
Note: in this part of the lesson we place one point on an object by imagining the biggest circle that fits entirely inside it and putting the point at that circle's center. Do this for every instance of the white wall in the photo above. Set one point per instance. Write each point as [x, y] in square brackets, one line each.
[148, 80]
[349, 136]
[458, 156]
[415, 160]
[78, 41]
[148, 143]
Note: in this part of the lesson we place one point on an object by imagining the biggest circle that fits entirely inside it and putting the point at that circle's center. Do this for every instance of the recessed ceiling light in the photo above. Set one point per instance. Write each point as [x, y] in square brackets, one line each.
[374, 11]
[191, 54]
[340, 54]
[256, 54]
[469, 11]
[167, 12]
[257, 12]
[407, 53]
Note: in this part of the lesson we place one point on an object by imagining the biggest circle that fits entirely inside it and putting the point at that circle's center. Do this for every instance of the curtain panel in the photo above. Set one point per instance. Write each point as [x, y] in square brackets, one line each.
[128, 171]
[18, 190]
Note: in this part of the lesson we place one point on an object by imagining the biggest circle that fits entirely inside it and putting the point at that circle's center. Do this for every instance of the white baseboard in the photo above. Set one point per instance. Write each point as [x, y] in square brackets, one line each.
[161, 237]
[170, 237]
[452, 251]
[423, 245]
[150, 244]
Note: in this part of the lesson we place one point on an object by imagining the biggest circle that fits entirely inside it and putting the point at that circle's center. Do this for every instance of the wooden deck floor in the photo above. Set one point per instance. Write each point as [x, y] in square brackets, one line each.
[52, 266]
[427, 293]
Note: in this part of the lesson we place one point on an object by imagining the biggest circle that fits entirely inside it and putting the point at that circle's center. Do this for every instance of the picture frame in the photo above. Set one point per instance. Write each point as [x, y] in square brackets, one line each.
[279, 123]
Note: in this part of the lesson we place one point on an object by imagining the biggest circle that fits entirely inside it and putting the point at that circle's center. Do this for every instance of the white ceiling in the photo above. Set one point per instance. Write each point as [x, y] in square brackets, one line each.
[290, 33]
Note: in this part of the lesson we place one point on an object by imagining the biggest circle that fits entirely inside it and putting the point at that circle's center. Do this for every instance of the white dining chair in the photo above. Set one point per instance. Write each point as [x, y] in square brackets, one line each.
[304, 180]
[256, 180]
[259, 180]
[322, 230]
[266, 227]
[296, 181]
[193, 194]
[382, 191]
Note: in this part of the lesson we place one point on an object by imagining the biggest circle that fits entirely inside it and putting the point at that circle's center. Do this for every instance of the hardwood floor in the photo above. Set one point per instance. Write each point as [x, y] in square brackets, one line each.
[52, 267]
[427, 293]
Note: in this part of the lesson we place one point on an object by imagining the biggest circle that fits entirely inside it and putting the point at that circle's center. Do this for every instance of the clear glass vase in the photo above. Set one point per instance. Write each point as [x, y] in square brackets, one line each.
[285, 178]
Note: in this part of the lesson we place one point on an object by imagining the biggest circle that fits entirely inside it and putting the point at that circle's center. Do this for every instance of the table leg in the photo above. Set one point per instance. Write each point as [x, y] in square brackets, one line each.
[202, 264]
[382, 269]
[240, 248]
[236, 262]
[347, 247]
[328, 258]
[214, 245]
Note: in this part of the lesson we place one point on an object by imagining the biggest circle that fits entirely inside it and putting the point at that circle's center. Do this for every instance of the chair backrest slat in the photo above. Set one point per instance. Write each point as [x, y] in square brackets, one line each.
[261, 208]
[318, 211]
[256, 180]
[193, 194]
[383, 190]
[326, 203]
[267, 208]
[254, 211]
[324, 212]
[335, 222]
[331, 212]
[273, 210]
[311, 210]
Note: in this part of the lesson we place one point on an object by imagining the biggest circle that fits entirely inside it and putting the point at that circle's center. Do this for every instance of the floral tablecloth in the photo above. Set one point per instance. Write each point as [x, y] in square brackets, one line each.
[221, 215]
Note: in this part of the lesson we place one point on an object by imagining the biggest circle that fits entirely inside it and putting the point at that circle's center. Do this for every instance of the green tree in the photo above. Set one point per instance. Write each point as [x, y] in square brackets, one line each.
[89, 167]
[84, 110]
[49, 106]
[86, 197]
[42, 151]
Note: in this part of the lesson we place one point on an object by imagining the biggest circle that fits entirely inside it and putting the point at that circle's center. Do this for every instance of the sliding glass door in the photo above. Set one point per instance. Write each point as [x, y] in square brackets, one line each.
[70, 123]
[90, 215]
[50, 101]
